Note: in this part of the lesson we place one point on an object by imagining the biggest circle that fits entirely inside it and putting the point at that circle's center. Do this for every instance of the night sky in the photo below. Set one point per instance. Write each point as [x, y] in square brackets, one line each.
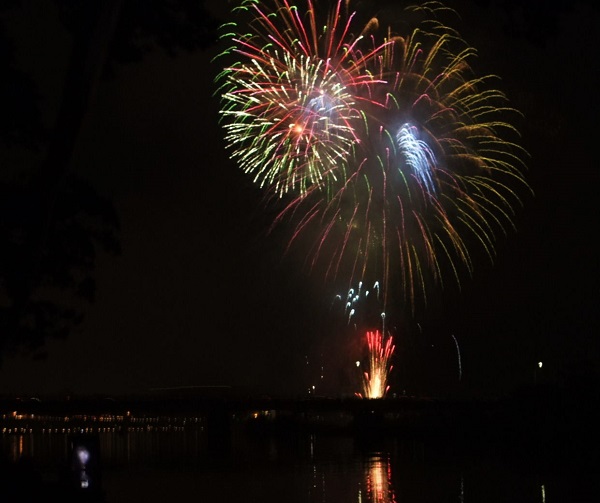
[201, 294]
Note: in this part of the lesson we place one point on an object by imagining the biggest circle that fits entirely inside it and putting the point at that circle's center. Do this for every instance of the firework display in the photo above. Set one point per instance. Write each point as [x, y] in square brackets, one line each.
[375, 378]
[362, 312]
[385, 148]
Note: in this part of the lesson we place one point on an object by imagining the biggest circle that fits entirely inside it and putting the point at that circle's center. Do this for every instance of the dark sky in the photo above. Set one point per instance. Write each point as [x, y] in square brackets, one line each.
[201, 295]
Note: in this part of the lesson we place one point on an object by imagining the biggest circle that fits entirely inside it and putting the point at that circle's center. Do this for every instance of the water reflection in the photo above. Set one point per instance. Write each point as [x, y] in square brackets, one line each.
[307, 468]
[45, 449]
[142, 449]
[378, 475]
[84, 463]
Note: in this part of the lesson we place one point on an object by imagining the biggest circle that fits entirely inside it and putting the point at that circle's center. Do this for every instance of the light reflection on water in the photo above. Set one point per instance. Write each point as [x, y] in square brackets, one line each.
[162, 466]
[379, 487]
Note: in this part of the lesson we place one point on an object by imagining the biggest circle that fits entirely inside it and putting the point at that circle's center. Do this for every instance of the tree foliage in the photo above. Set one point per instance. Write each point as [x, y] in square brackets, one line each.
[53, 225]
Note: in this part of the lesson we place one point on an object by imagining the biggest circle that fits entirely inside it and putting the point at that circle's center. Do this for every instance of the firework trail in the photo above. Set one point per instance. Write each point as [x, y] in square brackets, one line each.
[385, 149]
[458, 356]
[375, 379]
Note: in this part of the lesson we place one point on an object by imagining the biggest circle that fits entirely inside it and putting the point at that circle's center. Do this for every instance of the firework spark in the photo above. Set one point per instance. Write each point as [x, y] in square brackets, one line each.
[361, 303]
[290, 100]
[375, 379]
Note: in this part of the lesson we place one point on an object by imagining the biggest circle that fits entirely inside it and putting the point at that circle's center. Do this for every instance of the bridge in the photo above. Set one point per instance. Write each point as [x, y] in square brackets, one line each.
[219, 413]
